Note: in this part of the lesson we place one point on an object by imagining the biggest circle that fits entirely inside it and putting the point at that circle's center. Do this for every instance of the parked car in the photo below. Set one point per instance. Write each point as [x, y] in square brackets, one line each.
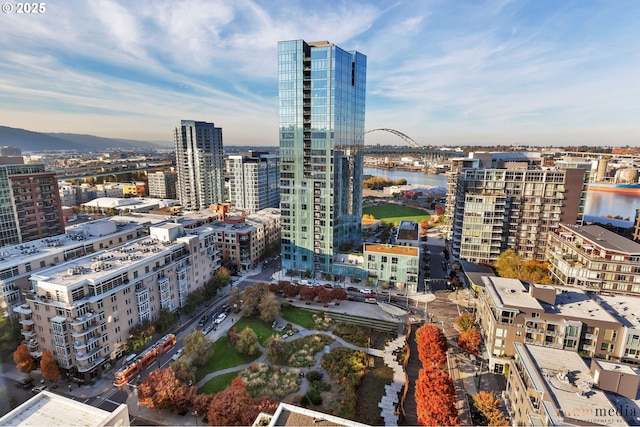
[220, 318]
[366, 291]
[24, 383]
[39, 388]
[225, 308]
[177, 355]
[371, 300]
[207, 329]
[352, 289]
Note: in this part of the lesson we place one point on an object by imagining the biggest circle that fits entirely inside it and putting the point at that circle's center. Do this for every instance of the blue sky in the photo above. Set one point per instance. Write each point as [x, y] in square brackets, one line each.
[548, 72]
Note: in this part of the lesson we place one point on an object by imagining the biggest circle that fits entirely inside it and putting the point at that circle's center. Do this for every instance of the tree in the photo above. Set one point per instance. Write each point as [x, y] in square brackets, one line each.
[325, 296]
[183, 370]
[269, 308]
[165, 320]
[278, 351]
[162, 390]
[197, 348]
[307, 293]
[291, 290]
[253, 297]
[24, 359]
[469, 341]
[235, 407]
[511, 264]
[465, 321]
[436, 398]
[235, 295]
[489, 406]
[247, 342]
[424, 227]
[10, 337]
[339, 294]
[432, 345]
[49, 367]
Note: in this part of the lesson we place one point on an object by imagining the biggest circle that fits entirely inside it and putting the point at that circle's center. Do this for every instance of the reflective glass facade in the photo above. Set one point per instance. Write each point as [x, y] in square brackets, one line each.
[322, 105]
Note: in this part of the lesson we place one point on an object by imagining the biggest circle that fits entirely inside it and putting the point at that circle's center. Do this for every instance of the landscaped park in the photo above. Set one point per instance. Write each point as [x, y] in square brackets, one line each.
[304, 357]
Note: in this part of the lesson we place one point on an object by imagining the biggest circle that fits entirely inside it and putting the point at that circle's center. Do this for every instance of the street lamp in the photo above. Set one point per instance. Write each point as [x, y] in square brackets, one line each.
[195, 414]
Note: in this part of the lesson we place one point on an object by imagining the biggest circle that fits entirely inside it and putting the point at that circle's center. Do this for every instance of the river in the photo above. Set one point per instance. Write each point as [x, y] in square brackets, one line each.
[599, 203]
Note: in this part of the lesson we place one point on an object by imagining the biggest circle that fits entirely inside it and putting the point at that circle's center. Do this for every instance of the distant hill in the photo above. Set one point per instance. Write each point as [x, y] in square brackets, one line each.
[36, 141]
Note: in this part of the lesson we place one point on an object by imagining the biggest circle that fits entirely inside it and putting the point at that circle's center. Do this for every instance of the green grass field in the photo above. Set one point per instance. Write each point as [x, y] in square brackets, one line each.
[299, 316]
[218, 383]
[262, 329]
[224, 356]
[396, 213]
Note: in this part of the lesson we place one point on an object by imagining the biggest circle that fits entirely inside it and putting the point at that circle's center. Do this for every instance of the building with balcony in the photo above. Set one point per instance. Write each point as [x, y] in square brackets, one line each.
[322, 109]
[19, 262]
[244, 242]
[551, 387]
[393, 266]
[31, 207]
[163, 185]
[511, 311]
[594, 259]
[497, 209]
[254, 181]
[200, 164]
[82, 310]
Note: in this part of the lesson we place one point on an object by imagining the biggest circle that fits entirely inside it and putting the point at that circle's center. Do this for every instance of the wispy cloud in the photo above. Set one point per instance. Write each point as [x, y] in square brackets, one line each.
[474, 70]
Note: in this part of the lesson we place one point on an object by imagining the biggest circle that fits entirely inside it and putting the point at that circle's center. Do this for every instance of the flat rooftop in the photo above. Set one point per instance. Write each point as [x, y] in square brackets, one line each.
[510, 293]
[392, 249]
[49, 409]
[572, 302]
[623, 307]
[604, 238]
[568, 379]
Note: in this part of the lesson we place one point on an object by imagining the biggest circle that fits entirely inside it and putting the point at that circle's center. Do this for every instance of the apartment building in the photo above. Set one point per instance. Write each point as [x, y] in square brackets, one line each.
[134, 189]
[511, 311]
[244, 242]
[408, 234]
[254, 181]
[19, 262]
[497, 209]
[594, 259]
[163, 185]
[82, 310]
[550, 387]
[322, 109]
[393, 266]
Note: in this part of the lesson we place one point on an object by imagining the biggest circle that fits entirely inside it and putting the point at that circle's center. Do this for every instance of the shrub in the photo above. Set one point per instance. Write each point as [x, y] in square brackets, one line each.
[314, 376]
[304, 402]
[314, 397]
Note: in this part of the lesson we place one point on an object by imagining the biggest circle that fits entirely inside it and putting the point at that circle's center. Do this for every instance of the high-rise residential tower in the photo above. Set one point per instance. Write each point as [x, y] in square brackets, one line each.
[322, 105]
[200, 162]
[254, 181]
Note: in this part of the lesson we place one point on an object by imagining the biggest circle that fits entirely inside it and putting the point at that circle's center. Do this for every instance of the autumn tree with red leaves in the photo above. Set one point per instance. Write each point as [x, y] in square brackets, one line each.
[432, 345]
[469, 341]
[162, 390]
[291, 290]
[49, 367]
[24, 359]
[339, 294]
[307, 293]
[325, 296]
[436, 398]
[235, 407]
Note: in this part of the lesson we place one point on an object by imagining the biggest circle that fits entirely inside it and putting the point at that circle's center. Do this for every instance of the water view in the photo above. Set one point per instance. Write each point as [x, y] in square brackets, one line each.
[598, 203]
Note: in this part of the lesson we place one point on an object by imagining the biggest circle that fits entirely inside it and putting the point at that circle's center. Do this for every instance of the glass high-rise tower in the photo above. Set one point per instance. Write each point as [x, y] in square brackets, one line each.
[322, 105]
[200, 163]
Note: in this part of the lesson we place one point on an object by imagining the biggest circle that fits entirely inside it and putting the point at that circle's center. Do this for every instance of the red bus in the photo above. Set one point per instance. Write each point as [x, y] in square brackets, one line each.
[150, 355]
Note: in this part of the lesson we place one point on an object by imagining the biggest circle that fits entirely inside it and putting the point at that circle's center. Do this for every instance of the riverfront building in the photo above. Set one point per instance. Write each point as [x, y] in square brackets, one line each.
[393, 266]
[594, 259]
[254, 179]
[497, 209]
[82, 310]
[322, 106]
[200, 164]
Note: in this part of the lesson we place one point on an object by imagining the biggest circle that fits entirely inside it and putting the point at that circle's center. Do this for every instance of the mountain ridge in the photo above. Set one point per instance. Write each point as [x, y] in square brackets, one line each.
[29, 141]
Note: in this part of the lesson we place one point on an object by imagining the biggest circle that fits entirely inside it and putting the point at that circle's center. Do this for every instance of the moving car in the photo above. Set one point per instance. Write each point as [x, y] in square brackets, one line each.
[366, 291]
[177, 355]
[39, 388]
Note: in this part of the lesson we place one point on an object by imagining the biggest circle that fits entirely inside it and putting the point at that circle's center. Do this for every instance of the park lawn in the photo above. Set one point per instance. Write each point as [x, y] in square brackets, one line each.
[218, 383]
[224, 356]
[262, 329]
[370, 392]
[299, 316]
[396, 213]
